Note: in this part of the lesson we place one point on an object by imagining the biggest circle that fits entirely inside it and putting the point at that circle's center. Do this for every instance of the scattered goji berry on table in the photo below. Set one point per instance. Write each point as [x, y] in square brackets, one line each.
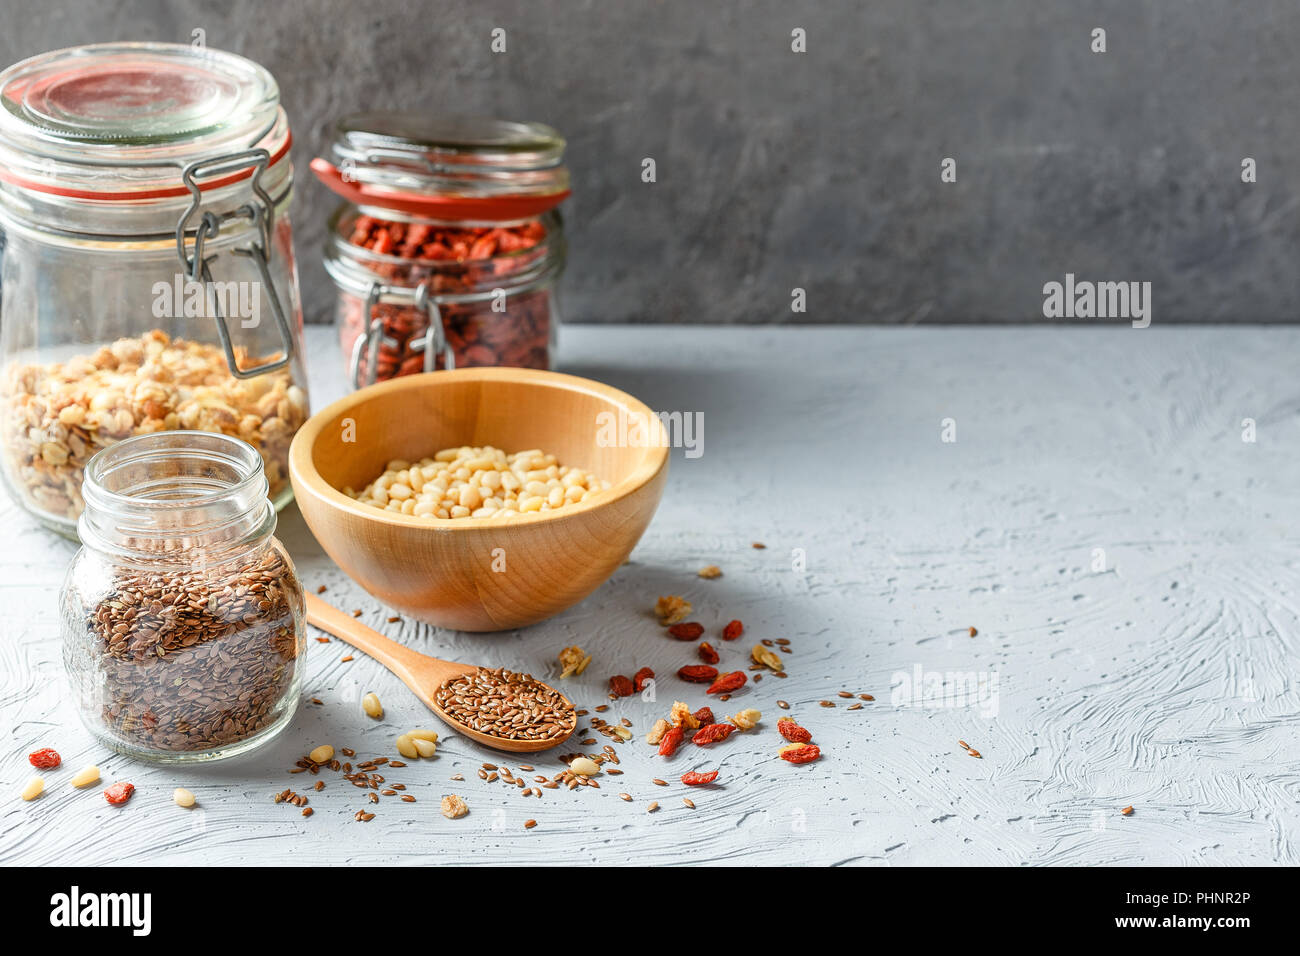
[693, 779]
[698, 673]
[712, 733]
[45, 758]
[687, 631]
[640, 677]
[792, 732]
[727, 683]
[704, 715]
[672, 739]
[732, 631]
[621, 686]
[805, 753]
[118, 793]
[707, 653]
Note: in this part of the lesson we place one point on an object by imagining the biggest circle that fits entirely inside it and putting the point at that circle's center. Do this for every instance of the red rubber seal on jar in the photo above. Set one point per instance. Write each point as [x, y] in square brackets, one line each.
[449, 208]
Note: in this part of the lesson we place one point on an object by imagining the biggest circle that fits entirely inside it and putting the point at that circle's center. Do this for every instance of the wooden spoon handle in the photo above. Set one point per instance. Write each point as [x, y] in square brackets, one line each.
[420, 672]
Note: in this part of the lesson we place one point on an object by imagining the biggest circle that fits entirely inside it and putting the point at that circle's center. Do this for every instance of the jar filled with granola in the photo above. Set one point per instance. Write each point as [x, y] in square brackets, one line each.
[147, 280]
[182, 618]
[449, 245]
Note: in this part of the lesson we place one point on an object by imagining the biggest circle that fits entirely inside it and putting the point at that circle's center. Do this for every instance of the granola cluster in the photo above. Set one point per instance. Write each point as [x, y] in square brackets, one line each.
[55, 417]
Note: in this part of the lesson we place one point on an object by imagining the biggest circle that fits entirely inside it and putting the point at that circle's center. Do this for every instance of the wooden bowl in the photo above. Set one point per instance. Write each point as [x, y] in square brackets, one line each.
[441, 571]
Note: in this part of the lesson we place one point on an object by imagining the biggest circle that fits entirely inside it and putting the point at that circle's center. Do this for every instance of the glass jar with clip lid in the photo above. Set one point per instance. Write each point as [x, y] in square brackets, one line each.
[449, 244]
[147, 278]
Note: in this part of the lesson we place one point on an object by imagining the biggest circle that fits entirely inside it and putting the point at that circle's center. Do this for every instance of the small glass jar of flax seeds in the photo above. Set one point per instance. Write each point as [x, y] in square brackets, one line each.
[182, 616]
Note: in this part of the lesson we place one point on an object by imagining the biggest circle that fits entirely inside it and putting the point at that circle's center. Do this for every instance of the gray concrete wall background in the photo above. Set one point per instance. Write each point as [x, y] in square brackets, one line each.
[821, 170]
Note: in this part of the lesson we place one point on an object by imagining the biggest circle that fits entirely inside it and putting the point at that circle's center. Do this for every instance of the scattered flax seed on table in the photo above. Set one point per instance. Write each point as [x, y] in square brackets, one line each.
[688, 802]
[973, 632]
[357, 612]
[346, 659]
[758, 545]
[393, 620]
[529, 824]
[1127, 811]
[321, 589]
[653, 807]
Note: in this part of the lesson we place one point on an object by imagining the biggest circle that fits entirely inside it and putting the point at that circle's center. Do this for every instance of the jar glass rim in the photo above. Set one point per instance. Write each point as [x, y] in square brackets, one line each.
[447, 156]
[234, 453]
[174, 484]
[122, 120]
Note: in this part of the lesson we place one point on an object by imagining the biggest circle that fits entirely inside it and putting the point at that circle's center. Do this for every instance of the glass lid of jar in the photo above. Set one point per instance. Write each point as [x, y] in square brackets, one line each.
[446, 166]
[126, 116]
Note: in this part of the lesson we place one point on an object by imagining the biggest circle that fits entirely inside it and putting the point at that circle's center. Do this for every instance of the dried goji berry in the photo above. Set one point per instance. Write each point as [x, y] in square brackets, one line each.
[621, 686]
[707, 653]
[693, 779]
[698, 673]
[45, 759]
[732, 631]
[687, 631]
[792, 732]
[119, 793]
[640, 677]
[805, 754]
[727, 683]
[704, 715]
[712, 733]
[670, 741]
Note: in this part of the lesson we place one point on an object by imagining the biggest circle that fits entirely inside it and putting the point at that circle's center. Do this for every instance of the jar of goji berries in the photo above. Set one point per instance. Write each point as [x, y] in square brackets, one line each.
[182, 617]
[447, 250]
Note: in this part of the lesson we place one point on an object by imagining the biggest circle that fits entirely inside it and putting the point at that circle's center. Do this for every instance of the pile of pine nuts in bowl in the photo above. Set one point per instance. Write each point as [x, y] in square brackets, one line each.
[469, 482]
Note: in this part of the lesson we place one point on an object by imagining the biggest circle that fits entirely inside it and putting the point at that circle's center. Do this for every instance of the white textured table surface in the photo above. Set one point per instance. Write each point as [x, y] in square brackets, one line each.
[1167, 680]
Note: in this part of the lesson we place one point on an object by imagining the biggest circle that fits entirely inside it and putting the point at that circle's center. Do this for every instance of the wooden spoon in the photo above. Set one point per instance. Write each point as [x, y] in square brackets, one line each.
[420, 672]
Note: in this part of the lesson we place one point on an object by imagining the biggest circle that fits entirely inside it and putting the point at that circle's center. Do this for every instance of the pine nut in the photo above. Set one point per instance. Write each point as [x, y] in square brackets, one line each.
[35, 787]
[183, 797]
[370, 704]
[322, 754]
[84, 778]
[406, 747]
[418, 734]
[425, 748]
[584, 767]
[765, 657]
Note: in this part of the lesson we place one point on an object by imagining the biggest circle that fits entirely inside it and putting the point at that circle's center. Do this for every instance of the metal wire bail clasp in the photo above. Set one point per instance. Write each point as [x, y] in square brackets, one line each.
[434, 341]
[365, 350]
[262, 214]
